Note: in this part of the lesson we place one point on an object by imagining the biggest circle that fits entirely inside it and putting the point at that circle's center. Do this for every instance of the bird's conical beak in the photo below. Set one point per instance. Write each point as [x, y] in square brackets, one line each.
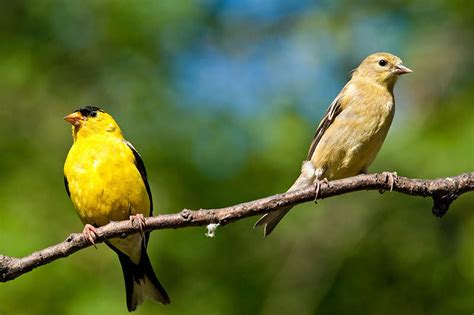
[74, 118]
[402, 69]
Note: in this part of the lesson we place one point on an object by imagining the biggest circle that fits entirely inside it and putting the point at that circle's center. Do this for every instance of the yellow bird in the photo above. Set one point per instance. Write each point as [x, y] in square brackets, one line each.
[353, 129]
[106, 180]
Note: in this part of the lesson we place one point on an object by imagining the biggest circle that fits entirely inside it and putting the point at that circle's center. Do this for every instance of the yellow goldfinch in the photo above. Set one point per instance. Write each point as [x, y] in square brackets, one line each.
[353, 129]
[106, 180]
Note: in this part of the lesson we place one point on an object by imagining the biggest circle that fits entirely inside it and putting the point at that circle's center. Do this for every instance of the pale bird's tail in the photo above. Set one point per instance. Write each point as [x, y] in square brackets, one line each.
[271, 219]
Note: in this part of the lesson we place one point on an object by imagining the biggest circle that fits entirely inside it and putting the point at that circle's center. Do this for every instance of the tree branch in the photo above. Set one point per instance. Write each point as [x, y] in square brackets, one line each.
[443, 191]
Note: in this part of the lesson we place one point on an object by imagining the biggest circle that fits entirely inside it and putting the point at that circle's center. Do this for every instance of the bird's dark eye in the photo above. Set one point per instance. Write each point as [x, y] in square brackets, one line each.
[93, 114]
[383, 62]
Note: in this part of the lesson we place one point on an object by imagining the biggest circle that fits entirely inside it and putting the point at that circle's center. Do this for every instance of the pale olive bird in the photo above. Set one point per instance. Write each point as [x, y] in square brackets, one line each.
[105, 178]
[353, 129]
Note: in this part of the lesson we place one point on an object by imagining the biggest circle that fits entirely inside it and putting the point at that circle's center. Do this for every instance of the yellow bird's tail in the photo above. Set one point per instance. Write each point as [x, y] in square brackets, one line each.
[140, 280]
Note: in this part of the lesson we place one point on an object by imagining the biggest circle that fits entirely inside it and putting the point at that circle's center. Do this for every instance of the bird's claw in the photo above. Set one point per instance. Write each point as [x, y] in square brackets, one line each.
[390, 178]
[318, 188]
[90, 233]
[138, 219]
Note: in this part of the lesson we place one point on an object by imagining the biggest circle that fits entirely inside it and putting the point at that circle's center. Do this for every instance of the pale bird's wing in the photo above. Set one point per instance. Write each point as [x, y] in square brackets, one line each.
[271, 219]
[334, 109]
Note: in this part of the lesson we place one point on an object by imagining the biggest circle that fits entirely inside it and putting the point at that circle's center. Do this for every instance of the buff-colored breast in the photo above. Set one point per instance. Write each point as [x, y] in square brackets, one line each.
[352, 141]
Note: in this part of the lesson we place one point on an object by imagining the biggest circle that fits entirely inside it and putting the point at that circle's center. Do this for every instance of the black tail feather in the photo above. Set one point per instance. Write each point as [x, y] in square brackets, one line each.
[140, 277]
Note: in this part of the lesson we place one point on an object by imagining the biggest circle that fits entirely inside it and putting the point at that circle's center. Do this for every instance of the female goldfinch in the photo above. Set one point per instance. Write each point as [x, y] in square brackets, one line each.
[106, 180]
[353, 129]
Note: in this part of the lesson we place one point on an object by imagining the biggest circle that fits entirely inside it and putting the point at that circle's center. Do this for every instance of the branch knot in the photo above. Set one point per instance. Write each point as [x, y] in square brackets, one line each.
[187, 215]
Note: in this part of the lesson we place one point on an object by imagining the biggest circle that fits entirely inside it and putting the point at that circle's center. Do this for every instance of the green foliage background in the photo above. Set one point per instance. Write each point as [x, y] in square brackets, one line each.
[222, 98]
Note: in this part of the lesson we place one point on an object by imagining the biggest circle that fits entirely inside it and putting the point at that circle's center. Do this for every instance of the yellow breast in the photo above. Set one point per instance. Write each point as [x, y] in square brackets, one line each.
[104, 183]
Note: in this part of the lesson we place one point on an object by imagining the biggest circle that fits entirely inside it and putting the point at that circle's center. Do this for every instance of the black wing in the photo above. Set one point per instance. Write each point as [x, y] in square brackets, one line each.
[331, 113]
[141, 168]
[66, 184]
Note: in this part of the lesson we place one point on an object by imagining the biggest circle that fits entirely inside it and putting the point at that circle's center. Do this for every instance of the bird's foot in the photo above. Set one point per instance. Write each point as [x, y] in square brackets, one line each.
[390, 178]
[138, 219]
[318, 188]
[90, 233]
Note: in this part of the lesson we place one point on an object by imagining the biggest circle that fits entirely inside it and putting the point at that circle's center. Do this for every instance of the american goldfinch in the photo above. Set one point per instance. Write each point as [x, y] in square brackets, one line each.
[353, 129]
[106, 180]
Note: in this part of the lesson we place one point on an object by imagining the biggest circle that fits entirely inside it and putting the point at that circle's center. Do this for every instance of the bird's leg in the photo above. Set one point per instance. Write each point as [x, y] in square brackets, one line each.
[139, 219]
[390, 178]
[318, 187]
[90, 233]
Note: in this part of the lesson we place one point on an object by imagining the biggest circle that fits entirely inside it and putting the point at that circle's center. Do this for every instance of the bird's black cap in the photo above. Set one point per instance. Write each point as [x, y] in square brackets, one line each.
[89, 111]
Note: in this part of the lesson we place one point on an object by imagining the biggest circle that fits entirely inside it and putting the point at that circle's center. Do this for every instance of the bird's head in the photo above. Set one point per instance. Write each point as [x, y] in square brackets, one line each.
[382, 68]
[91, 120]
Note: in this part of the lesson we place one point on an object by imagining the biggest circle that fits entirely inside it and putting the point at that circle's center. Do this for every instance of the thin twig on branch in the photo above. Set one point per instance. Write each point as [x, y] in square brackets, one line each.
[443, 191]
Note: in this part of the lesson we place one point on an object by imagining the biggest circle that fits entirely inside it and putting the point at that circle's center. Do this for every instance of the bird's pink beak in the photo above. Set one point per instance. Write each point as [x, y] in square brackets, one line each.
[402, 69]
[74, 118]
